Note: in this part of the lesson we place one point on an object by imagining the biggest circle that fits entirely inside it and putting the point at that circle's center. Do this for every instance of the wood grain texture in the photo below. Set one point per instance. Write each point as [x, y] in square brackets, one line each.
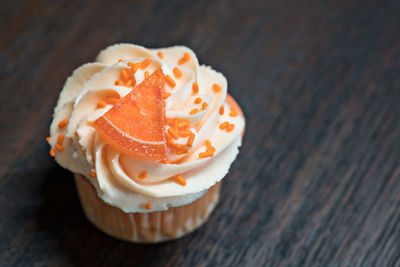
[317, 182]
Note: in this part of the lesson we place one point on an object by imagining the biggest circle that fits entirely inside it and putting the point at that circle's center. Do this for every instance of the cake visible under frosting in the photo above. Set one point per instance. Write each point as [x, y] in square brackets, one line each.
[198, 156]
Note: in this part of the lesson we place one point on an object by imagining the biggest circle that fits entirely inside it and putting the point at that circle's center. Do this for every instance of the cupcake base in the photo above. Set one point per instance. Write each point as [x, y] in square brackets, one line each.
[149, 227]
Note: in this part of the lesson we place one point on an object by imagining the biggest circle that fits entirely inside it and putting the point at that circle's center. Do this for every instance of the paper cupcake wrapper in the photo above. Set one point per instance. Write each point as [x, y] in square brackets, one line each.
[150, 227]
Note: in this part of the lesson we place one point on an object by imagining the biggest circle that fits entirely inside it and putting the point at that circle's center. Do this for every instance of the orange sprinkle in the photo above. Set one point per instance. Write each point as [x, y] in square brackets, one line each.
[230, 127]
[59, 147]
[204, 106]
[207, 143]
[216, 88]
[195, 88]
[118, 82]
[177, 72]
[180, 180]
[172, 144]
[142, 175]
[179, 146]
[166, 94]
[221, 110]
[176, 146]
[63, 123]
[173, 133]
[93, 174]
[148, 206]
[146, 74]
[76, 133]
[209, 147]
[224, 125]
[48, 139]
[112, 100]
[190, 140]
[183, 124]
[124, 74]
[166, 162]
[60, 139]
[120, 60]
[101, 104]
[197, 100]
[185, 133]
[184, 59]
[134, 66]
[233, 112]
[160, 55]
[205, 154]
[194, 111]
[133, 79]
[145, 63]
[181, 151]
[170, 81]
[52, 152]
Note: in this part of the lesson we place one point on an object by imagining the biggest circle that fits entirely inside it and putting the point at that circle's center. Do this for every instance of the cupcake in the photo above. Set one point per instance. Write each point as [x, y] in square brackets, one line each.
[148, 134]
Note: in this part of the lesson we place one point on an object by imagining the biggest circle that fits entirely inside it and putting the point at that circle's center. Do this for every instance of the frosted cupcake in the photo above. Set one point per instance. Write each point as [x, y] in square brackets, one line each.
[149, 134]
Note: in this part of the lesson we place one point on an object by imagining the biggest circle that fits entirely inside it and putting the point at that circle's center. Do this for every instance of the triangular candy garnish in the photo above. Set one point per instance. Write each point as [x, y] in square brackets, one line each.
[136, 124]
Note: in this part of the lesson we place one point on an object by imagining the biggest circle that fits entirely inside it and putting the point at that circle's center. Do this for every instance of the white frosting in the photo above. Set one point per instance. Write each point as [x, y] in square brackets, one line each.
[117, 180]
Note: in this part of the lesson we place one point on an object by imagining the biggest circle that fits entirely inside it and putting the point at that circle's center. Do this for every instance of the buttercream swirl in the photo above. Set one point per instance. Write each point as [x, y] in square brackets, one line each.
[117, 181]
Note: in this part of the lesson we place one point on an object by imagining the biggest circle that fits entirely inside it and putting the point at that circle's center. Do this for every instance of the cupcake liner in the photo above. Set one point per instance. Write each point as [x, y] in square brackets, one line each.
[149, 227]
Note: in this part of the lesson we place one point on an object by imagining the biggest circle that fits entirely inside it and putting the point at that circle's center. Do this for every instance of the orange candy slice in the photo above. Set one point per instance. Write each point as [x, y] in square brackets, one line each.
[136, 124]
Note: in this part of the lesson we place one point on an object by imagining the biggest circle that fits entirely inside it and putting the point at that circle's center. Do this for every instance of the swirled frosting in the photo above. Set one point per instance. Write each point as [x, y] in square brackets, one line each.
[117, 174]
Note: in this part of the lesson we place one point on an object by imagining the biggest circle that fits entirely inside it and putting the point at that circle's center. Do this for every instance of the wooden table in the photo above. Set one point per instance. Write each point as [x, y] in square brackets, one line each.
[317, 181]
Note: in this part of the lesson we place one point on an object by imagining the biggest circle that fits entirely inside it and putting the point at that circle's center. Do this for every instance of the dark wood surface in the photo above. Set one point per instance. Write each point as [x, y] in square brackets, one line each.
[317, 181]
